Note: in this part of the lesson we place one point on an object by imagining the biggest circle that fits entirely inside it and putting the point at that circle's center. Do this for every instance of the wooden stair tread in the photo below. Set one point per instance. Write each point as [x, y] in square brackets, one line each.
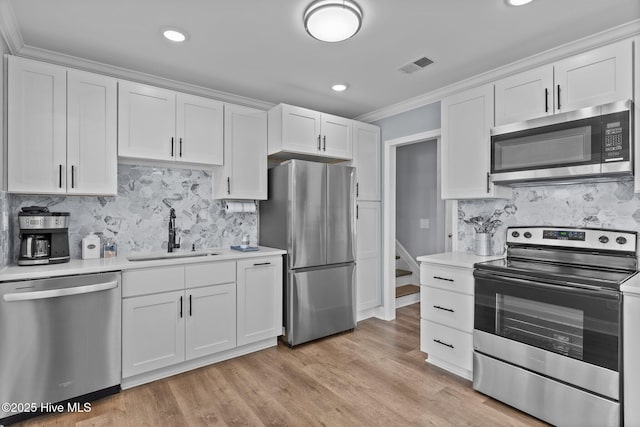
[400, 272]
[405, 290]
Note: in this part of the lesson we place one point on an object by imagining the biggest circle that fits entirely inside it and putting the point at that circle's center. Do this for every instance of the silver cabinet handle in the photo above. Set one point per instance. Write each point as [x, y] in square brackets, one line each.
[444, 344]
[228, 185]
[53, 293]
[60, 176]
[443, 309]
[73, 172]
[443, 278]
[319, 149]
[262, 263]
[324, 143]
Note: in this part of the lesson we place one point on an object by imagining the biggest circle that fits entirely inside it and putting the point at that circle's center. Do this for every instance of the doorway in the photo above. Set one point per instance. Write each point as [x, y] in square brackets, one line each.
[417, 221]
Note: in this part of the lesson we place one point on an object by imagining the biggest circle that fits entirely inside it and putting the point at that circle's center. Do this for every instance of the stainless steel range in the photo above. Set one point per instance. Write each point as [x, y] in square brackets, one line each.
[548, 323]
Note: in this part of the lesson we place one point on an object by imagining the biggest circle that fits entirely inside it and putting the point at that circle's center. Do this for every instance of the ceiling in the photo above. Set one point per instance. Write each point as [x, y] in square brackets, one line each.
[259, 48]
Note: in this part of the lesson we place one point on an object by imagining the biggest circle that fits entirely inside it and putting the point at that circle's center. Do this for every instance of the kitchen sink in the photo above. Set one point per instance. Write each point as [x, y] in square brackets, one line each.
[170, 255]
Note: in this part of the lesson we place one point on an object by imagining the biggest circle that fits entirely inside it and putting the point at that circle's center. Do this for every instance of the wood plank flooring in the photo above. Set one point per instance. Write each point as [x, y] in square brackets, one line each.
[375, 376]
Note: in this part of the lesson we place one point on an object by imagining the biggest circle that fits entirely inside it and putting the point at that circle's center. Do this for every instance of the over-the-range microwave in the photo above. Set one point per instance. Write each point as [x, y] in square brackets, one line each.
[594, 142]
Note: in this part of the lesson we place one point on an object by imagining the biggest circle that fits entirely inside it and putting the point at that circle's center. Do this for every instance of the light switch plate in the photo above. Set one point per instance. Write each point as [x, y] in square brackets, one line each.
[4, 221]
[424, 223]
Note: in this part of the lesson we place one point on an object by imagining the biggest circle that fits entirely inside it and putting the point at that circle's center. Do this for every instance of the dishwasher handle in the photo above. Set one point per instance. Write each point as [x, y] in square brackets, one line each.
[62, 292]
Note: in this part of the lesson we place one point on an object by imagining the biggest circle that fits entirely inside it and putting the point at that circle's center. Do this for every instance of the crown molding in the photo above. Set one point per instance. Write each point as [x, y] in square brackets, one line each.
[621, 32]
[132, 75]
[9, 28]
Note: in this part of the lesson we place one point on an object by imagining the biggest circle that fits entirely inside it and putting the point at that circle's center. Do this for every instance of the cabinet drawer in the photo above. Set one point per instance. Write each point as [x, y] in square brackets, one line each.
[445, 277]
[446, 344]
[448, 308]
[210, 274]
[152, 281]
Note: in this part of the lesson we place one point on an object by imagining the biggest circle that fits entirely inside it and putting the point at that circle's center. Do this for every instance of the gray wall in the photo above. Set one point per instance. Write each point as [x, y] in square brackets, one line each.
[410, 122]
[417, 198]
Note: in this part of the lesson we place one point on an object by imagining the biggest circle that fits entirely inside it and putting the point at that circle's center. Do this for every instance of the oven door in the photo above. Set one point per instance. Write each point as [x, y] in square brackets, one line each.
[571, 333]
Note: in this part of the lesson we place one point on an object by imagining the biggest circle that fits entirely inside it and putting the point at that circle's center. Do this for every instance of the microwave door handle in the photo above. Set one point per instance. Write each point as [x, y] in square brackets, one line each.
[578, 288]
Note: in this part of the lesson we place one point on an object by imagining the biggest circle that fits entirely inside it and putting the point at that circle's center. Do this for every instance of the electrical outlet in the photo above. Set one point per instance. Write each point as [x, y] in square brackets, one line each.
[424, 223]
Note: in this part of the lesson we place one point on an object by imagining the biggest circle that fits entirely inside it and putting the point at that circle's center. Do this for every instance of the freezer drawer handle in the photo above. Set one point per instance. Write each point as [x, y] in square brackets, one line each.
[262, 263]
[443, 308]
[53, 293]
[444, 343]
[443, 278]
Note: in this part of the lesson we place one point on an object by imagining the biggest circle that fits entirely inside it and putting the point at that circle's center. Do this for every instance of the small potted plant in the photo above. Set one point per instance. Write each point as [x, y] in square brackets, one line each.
[485, 227]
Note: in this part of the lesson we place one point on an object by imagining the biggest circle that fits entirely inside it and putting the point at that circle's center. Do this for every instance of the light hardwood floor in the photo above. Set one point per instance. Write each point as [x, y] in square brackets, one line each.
[375, 376]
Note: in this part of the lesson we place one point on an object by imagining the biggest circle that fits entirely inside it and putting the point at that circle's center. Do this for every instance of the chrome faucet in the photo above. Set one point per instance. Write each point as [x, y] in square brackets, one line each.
[172, 232]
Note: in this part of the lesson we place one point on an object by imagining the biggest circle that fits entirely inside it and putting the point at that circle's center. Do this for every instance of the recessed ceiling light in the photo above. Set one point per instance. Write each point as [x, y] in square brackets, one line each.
[332, 20]
[518, 2]
[174, 35]
[340, 87]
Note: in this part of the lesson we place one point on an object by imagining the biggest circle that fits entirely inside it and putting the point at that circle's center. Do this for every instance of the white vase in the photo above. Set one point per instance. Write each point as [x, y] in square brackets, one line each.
[482, 245]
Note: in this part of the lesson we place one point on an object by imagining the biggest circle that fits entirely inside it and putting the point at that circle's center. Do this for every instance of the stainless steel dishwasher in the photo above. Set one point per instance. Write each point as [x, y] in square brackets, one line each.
[59, 341]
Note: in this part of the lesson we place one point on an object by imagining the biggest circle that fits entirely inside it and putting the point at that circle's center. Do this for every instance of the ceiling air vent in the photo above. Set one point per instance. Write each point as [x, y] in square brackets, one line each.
[416, 65]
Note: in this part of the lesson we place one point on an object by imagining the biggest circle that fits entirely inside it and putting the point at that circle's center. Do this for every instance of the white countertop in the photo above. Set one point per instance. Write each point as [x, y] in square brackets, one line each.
[120, 263]
[457, 259]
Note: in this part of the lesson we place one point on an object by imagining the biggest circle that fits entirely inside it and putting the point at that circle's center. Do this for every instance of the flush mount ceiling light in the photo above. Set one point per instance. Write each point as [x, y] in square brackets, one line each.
[340, 87]
[174, 35]
[332, 20]
[518, 2]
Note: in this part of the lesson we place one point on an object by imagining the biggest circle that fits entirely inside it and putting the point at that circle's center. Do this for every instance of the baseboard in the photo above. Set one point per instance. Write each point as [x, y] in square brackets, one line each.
[407, 300]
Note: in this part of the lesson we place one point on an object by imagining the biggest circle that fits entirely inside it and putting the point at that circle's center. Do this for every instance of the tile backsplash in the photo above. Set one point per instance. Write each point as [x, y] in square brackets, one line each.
[599, 205]
[5, 257]
[137, 218]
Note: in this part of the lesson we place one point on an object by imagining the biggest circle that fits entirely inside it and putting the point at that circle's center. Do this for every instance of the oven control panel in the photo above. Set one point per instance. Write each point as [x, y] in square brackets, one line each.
[585, 238]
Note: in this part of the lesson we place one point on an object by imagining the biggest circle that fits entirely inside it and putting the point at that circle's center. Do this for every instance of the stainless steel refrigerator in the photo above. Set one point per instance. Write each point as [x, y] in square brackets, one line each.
[310, 213]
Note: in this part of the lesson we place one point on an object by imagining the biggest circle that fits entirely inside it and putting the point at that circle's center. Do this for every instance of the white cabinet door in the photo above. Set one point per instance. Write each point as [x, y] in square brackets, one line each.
[368, 255]
[146, 122]
[199, 128]
[366, 159]
[153, 328]
[595, 77]
[467, 118]
[211, 320]
[37, 127]
[244, 174]
[259, 305]
[524, 96]
[300, 130]
[336, 136]
[92, 158]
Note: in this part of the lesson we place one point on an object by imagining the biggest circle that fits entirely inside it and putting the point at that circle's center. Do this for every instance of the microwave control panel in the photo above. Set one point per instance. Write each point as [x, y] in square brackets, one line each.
[616, 138]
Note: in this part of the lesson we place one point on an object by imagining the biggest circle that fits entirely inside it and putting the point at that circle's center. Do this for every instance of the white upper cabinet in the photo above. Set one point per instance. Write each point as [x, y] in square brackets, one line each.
[296, 132]
[467, 118]
[366, 159]
[146, 122]
[199, 130]
[336, 136]
[244, 174]
[61, 130]
[160, 124]
[592, 78]
[524, 96]
[92, 146]
[595, 77]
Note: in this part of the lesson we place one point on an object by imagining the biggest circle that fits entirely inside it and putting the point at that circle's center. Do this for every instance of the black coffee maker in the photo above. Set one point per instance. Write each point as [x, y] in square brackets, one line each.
[44, 236]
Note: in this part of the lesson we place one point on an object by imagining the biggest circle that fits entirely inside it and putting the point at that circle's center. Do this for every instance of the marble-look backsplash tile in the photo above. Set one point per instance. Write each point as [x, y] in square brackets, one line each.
[137, 218]
[4, 235]
[599, 205]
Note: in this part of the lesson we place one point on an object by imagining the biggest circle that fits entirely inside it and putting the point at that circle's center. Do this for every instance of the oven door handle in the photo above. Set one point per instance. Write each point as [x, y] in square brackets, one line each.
[579, 288]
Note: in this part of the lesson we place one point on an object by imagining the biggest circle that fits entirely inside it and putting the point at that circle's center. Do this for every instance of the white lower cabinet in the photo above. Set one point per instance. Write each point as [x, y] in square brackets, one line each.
[211, 320]
[180, 317]
[259, 308]
[446, 312]
[152, 332]
[631, 354]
